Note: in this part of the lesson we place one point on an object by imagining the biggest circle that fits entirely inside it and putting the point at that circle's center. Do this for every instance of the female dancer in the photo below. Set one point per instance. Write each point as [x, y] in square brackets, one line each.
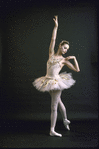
[54, 82]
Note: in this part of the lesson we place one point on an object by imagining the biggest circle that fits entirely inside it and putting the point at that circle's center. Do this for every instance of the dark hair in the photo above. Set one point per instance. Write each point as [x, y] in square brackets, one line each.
[64, 42]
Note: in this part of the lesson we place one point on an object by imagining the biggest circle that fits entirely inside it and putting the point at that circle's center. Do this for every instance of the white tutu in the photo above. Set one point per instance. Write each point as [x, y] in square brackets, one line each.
[53, 80]
[60, 82]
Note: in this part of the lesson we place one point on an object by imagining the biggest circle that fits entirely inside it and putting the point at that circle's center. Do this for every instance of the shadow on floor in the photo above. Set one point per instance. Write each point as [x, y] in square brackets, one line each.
[19, 133]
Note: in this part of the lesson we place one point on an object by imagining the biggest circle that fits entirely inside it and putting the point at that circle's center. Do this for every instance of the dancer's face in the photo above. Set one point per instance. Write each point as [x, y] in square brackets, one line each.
[64, 48]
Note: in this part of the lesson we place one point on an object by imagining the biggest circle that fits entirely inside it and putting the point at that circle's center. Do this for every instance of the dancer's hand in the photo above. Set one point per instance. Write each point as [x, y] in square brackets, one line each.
[56, 21]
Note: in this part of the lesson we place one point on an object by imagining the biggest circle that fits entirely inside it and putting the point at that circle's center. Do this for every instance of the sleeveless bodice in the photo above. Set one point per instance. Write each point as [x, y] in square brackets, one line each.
[53, 80]
[53, 67]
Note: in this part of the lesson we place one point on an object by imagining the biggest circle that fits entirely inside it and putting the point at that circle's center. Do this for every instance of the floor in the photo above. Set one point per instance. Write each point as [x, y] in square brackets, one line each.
[30, 134]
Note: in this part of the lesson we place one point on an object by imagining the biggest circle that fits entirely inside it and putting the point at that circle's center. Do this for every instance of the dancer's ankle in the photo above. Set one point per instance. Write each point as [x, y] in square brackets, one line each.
[66, 124]
[51, 129]
[66, 120]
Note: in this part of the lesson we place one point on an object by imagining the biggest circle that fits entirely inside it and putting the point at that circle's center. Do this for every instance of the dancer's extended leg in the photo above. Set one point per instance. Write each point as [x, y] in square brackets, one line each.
[62, 110]
[55, 95]
[64, 115]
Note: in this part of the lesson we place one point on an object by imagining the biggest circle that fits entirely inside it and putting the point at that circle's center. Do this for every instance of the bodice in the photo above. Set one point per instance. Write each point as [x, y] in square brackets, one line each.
[53, 67]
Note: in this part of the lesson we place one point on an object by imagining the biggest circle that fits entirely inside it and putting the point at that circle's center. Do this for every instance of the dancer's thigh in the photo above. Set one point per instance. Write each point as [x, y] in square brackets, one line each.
[55, 96]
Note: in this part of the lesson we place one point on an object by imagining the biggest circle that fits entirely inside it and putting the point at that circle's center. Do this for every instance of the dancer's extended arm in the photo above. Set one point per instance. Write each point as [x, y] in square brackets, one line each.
[70, 65]
[53, 39]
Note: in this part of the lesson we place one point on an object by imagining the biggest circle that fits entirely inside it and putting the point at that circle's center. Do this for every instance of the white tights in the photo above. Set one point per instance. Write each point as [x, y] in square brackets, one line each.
[55, 102]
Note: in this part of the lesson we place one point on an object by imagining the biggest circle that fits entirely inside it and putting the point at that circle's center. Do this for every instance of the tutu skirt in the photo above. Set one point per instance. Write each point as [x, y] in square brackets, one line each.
[60, 82]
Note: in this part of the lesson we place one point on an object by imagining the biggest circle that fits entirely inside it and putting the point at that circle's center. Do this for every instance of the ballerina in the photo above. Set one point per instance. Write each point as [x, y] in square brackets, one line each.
[53, 82]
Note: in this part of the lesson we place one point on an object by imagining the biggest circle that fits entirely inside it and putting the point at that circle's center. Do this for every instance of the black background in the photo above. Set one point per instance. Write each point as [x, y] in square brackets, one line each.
[25, 33]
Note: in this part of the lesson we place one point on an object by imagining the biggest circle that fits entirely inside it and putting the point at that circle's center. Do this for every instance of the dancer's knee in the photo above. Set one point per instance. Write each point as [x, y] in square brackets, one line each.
[55, 100]
[53, 108]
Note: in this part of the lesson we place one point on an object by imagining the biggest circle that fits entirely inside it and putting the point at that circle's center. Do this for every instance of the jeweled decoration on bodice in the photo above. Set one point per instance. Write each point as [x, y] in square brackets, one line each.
[53, 61]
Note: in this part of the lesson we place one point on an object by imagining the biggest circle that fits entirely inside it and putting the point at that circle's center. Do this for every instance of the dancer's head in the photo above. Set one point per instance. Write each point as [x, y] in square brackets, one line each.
[63, 47]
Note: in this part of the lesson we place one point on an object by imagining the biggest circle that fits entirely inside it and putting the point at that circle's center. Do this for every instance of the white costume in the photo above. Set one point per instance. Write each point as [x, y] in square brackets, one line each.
[54, 83]
[53, 80]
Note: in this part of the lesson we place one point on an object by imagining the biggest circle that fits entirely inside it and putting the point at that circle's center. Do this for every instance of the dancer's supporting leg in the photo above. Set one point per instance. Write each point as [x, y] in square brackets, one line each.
[55, 97]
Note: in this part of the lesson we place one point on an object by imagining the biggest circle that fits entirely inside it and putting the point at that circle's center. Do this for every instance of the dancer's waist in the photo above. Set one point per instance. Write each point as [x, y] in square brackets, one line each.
[52, 76]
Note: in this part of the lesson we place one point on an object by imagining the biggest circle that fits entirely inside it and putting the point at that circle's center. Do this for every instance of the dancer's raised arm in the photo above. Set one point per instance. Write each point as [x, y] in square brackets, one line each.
[53, 39]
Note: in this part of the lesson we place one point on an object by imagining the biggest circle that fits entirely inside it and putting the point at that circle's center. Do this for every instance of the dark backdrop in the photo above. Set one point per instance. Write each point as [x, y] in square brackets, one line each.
[25, 33]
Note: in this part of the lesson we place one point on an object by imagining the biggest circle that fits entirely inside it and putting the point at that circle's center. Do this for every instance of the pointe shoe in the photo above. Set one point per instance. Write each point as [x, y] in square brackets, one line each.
[53, 133]
[66, 124]
[67, 127]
